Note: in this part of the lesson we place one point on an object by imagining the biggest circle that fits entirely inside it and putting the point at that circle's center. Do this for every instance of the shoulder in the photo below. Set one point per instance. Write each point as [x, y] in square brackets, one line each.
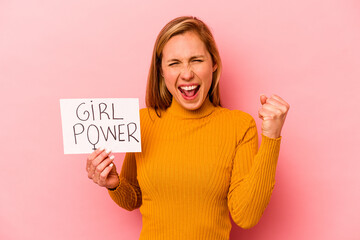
[148, 115]
[236, 117]
[241, 122]
[235, 122]
[144, 112]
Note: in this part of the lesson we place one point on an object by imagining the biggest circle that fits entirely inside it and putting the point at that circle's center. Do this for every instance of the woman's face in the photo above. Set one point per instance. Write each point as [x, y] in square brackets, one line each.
[187, 68]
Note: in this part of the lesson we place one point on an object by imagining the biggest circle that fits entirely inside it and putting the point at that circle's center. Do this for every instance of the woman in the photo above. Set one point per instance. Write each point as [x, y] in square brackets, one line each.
[199, 161]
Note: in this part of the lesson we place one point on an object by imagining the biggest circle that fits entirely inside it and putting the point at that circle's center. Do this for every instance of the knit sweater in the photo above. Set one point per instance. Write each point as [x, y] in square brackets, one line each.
[195, 167]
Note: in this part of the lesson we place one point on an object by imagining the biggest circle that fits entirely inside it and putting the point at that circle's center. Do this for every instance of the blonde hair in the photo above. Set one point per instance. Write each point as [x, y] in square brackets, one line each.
[157, 95]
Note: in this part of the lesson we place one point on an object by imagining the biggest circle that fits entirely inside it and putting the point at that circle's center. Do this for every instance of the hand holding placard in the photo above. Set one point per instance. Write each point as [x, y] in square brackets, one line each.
[101, 169]
[91, 123]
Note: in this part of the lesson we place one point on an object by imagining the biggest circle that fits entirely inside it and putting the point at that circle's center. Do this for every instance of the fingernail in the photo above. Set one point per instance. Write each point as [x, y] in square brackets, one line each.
[111, 164]
[101, 149]
[112, 157]
[108, 151]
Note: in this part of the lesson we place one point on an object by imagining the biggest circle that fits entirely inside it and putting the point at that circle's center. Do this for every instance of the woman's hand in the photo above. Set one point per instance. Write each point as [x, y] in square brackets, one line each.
[273, 113]
[101, 169]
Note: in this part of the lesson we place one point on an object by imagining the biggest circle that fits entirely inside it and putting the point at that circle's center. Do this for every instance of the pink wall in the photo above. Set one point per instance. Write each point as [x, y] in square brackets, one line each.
[306, 51]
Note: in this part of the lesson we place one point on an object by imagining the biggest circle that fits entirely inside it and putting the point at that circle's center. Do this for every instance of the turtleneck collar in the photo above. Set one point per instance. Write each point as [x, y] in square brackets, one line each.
[177, 110]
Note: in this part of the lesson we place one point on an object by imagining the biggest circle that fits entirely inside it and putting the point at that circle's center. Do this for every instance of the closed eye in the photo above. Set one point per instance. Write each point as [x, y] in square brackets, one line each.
[197, 60]
[172, 64]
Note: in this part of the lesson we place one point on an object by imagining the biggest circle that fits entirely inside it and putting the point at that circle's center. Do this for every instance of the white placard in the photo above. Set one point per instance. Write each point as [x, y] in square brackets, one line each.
[112, 123]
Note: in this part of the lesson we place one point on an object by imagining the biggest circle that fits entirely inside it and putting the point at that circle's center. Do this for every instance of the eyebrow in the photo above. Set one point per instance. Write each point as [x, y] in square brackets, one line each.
[193, 57]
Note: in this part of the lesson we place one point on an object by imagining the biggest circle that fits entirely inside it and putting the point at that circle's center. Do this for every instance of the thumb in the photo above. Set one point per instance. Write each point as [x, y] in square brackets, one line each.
[263, 99]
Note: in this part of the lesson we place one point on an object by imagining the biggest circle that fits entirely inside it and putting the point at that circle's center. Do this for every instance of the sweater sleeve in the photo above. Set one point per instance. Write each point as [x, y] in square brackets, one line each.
[252, 177]
[128, 194]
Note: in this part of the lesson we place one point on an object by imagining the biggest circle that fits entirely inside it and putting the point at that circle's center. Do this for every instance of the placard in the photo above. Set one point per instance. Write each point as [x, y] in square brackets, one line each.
[88, 124]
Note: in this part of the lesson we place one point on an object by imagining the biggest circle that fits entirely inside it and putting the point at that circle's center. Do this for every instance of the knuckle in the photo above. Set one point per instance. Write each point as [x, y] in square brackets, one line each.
[103, 176]
[100, 182]
[88, 164]
[271, 100]
[93, 164]
[98, 169]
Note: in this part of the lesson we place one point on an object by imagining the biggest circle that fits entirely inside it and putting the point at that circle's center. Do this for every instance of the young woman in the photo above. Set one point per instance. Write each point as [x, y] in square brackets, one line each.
[199, 161]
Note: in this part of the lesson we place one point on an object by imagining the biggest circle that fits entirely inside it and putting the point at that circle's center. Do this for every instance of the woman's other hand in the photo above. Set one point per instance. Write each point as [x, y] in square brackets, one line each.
[101, 169]
[273, 113]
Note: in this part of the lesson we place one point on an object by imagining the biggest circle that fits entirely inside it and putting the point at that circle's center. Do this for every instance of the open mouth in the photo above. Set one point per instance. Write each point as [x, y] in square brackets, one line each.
[189, 92]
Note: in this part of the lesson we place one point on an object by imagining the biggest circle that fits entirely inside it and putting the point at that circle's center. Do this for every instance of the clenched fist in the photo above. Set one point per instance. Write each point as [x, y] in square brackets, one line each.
[273, 113]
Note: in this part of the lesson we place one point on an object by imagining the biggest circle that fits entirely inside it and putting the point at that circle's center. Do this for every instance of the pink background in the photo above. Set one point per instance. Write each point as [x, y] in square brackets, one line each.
[306, 51]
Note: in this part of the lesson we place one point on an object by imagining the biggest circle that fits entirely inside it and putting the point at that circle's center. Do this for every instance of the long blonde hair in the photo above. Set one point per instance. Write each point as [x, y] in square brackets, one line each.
[157, 95]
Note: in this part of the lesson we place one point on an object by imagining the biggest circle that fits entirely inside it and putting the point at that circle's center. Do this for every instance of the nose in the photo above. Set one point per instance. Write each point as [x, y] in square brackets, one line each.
[187, 73]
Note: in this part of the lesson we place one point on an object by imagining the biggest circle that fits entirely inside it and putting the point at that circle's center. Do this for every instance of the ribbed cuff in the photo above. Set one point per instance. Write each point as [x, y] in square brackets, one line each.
[270, 148]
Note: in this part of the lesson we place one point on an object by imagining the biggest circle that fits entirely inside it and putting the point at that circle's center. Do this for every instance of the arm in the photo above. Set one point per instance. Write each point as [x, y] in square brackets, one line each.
[128, 193]
[253, 177]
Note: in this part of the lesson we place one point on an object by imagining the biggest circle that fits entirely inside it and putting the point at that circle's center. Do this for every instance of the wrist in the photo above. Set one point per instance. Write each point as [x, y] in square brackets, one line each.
[272, 135]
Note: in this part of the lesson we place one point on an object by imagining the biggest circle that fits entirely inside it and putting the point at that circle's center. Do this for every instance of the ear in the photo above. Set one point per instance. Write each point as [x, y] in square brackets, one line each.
[215, 67]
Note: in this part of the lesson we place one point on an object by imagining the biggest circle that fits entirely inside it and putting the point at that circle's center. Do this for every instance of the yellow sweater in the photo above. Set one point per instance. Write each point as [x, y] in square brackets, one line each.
[195, 167]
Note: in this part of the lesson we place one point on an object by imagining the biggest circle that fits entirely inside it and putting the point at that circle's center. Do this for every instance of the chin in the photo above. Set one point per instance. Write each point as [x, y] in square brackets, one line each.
[191, 105]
